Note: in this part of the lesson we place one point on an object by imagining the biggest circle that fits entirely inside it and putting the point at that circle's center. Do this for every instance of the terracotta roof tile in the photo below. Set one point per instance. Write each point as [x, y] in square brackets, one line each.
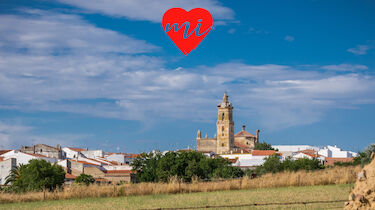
[76, 149]
[4, 151]
[84, 162]
[69, 176]
[244, 134]
[263, 152]
[118, 172]
[36, 155]
[308, 151]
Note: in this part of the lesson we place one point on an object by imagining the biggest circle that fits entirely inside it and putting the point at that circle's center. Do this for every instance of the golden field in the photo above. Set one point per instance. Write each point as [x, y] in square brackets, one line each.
[202, 199]
[335, 175]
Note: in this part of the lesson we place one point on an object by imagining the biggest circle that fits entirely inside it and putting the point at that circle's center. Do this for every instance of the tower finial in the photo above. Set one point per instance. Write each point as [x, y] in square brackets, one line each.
[199, 136]
[225, 97]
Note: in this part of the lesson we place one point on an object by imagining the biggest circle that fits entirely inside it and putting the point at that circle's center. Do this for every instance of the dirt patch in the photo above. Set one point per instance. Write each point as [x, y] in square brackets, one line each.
[362, 196]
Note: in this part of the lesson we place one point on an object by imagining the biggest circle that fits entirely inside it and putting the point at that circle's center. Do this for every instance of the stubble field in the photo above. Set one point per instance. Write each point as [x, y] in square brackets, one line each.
[201, 199]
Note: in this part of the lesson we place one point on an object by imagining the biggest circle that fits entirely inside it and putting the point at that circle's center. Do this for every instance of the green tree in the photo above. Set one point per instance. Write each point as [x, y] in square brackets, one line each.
[145, 166]
[35, 176]
[263, 146]
[364, 157]
[273, 164]
[154, 167]
[85, 179]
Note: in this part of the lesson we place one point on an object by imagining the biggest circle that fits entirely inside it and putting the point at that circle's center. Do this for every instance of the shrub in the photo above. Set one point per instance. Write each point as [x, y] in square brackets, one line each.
[85, 179]
[263, 146]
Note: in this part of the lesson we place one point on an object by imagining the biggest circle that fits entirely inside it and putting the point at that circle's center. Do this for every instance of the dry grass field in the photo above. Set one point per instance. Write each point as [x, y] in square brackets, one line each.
[195, 200]
[336, 175]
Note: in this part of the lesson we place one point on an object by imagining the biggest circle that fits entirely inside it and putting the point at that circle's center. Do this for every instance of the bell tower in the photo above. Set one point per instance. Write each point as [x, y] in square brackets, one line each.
[225, 126]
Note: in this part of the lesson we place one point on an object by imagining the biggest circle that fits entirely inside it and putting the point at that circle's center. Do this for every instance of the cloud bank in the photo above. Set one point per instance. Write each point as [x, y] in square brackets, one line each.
[48, 63]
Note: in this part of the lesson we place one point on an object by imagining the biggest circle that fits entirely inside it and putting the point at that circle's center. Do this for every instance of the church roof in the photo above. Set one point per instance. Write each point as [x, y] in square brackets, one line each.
[244, 134]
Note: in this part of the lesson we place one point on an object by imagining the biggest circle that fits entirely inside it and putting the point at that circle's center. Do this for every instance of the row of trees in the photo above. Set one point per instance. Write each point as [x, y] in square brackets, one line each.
[273, 164]
[363, 158]
[155, 167]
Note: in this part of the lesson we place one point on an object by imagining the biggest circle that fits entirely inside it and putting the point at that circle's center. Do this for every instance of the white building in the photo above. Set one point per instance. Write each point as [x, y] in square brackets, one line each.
[335, 152]
[93, 153]
[71, 152]
[117, 157]
[24, 158]
[249, 160]
[5, 167]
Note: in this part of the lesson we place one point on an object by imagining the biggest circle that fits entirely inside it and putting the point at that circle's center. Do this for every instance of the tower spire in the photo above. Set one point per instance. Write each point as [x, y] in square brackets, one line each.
[225, 97]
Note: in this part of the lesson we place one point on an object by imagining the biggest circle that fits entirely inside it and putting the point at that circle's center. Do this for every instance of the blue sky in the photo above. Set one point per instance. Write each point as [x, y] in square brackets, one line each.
[105, 75]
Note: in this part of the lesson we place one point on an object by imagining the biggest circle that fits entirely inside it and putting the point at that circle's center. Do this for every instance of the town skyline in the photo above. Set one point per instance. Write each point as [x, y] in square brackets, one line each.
[107, 76]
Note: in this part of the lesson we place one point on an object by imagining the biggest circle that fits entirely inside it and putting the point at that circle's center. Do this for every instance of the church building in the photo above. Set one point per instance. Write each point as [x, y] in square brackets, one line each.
[225, 141]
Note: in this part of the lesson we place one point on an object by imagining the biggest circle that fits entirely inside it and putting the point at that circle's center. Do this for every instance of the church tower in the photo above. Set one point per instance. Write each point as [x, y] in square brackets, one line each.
[225, 126]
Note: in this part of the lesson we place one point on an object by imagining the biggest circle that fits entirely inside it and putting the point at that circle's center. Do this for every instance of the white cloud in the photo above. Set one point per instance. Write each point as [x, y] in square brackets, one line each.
[150, 10]
[345, 67]
[289, 38]
[41, 32]
[360, 49]
[14, 135]
[48, 73]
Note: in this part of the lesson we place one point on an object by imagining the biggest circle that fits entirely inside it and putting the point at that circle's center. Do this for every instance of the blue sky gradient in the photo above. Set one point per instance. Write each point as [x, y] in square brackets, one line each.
[105, 75]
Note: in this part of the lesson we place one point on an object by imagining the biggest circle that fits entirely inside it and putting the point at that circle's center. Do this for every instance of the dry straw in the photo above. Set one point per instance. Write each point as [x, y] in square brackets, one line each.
[335, 175]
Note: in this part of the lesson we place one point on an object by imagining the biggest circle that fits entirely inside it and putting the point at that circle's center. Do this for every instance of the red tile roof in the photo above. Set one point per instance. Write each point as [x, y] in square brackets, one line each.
[244, 134]
[4, 151]
[263, 152]
[118, 172]
[36, 155]
[308, 151]
[84, 162]
[311, 155]
[76, 149]
[69, 176]
[242, 146]
[233, 160]
[131, 155]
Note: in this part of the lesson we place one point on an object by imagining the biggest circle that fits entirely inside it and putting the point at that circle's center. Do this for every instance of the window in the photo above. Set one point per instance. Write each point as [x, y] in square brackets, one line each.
[222, 144]
[222, 117]
[222, 131]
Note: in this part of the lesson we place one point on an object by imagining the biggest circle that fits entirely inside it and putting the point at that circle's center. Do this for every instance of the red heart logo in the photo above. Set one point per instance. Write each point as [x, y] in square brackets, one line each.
[187, 29]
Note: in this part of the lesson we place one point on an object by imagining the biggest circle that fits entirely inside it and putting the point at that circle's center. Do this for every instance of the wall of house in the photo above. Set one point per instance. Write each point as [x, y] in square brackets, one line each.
[75, 167]
[5, 167]
[120, 167]
[70, 153]
[118, 177]
[116, 157]
[94, 171]
[93, 153]
[24, 158]
[43, 150]
[250, 142]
